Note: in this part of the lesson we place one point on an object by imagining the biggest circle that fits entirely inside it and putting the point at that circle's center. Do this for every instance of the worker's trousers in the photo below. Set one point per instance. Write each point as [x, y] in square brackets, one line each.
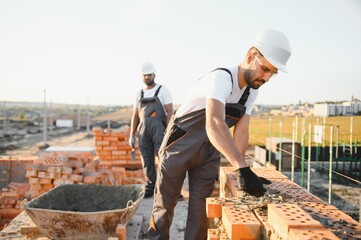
[150, 139]
[185, 148]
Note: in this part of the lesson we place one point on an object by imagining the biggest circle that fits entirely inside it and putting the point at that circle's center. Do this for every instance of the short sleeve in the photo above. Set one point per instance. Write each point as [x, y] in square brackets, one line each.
[219, 86]
[136, 100]
[166, 96]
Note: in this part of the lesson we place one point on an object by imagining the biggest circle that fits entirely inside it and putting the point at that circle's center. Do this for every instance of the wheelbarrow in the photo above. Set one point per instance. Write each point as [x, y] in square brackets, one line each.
[73, 211]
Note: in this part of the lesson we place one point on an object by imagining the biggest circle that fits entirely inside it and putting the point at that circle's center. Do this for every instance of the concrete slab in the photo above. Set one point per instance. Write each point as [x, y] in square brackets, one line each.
[134, 227]
[179, 220]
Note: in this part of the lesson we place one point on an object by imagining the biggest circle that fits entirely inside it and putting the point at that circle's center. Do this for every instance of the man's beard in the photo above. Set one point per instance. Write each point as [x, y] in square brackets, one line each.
[250, 83]
[150, 83]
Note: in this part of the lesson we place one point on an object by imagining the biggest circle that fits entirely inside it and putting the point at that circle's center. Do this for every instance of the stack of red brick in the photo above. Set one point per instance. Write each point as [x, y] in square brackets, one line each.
[14, 186]
[113, 149]
[72, 167]
[13, 195]
[286, 212]
[11, 199]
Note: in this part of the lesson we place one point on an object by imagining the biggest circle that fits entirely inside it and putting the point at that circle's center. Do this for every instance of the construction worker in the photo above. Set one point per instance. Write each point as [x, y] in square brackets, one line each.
[152, 111]
[199, 131]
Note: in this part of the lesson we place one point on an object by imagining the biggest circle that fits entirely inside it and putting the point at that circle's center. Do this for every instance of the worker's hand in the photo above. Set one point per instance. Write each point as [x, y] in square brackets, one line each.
[132, 141]
[249, 182]
[264, 180]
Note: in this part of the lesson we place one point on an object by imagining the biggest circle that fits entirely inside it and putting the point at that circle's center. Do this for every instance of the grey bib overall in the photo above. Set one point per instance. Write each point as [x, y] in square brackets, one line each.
[150, 133]
[186, 148]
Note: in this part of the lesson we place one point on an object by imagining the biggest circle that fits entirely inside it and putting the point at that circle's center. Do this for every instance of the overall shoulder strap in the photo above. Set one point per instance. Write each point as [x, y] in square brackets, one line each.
[156, 92]
[244, 96]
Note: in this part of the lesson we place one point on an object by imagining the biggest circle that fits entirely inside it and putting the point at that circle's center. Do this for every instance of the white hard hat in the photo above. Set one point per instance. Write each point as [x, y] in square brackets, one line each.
[148, 68]
[274, 46]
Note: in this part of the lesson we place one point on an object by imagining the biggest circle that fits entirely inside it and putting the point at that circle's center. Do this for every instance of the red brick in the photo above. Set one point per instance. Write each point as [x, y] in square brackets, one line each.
[307, 234]
[110, 138]
[76, 178]
[21, 188]
[214, 207]
[300, 195]
[66, 170]
[212, 234]
[45, 181]
[98, 138]
[240, 223]
[7, 201]
[33, 180]
[47, 187]
[52, 169]
[102, 143]
[283, 217]
[119, 152]
[31, 173]
[333, 219]
[121, 231]
[110, 148]
[268, 173]
[91, 180]
[10, 194]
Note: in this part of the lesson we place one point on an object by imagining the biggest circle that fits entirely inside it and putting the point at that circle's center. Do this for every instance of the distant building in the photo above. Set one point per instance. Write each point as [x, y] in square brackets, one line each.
[305, 110]
[320, 109]
[326, 109]
[67, 123]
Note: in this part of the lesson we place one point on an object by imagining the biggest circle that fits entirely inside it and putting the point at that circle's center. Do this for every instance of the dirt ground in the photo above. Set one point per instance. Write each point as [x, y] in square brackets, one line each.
[62, 137]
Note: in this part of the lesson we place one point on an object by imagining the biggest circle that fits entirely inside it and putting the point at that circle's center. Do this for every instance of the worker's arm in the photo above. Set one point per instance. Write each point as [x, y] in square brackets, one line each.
[169, 111]
[219, 135]
[234, 151]
[241, 134]
[134, 123]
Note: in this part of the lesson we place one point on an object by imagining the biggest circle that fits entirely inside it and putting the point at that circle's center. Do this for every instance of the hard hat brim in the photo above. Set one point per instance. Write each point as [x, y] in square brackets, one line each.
[277, 65]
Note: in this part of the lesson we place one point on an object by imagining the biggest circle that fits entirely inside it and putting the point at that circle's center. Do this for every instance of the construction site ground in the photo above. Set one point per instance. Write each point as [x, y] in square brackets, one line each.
[344, 196]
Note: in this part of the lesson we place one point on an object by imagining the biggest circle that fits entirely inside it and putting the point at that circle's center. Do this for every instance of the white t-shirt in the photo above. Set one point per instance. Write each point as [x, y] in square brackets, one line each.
[216, 85]
[164, 95]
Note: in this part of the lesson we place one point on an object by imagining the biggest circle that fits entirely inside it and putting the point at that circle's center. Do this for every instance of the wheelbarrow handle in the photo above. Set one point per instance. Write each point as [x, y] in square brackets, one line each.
[23, 203]
[130, 203]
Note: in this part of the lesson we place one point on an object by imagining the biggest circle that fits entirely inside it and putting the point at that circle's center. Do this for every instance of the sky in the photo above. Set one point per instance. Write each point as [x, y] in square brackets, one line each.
[91, 52]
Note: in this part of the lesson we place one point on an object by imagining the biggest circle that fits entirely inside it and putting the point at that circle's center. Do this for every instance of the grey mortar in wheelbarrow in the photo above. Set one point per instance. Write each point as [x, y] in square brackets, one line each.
[73, 211]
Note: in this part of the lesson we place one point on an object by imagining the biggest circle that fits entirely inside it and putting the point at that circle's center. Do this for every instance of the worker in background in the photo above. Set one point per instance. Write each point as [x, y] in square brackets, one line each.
[199, 131]
[152, 111]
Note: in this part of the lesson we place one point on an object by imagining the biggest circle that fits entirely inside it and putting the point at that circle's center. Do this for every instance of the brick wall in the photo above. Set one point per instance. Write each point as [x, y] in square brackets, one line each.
[113, 149]
[287, 211]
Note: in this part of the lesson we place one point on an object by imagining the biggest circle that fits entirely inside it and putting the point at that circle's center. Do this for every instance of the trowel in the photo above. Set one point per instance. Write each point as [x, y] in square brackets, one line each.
[132, 154]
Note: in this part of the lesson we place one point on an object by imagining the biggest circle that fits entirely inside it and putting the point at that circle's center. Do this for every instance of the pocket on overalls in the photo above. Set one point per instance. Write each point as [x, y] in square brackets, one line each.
[153, 114]
[234, 112]
[175, 134]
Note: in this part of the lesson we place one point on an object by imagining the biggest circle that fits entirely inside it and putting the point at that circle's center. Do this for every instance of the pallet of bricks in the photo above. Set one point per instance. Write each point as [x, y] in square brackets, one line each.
[75, 167]
[287, 211]
[113, 148]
